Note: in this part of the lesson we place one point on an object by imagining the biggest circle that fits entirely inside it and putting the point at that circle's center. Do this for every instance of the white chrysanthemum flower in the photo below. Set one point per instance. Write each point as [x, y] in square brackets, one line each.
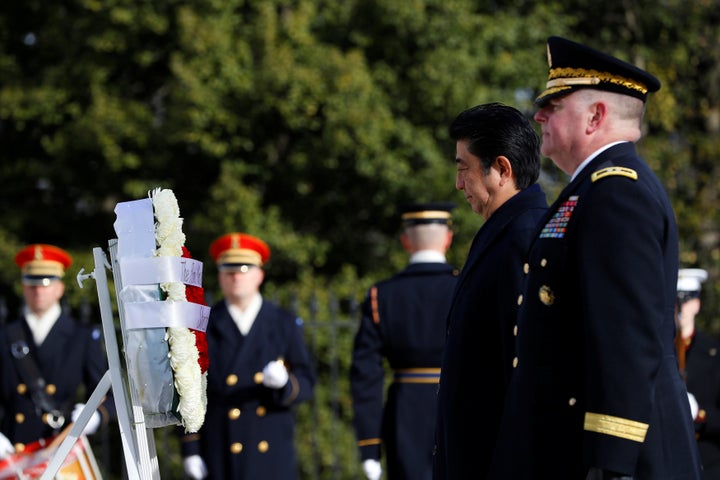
[175, 291]
[190, 382]
[184, 361]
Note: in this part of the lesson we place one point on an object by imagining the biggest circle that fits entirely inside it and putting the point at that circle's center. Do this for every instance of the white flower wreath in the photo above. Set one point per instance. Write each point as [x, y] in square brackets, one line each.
[189, 381]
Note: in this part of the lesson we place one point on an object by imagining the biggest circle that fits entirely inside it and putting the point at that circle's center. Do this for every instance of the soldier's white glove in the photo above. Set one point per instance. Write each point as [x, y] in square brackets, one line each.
[275, 375]
[694, 407]
[195, 467]
[94, 422]
[372, 469]
[6, 448]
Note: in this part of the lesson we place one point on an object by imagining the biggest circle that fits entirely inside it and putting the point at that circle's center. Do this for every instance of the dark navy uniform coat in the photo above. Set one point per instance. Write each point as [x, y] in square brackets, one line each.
[702, 364]
[249, 429]
[403, 321]
[596, 382]
[476, 367]
[72, 356]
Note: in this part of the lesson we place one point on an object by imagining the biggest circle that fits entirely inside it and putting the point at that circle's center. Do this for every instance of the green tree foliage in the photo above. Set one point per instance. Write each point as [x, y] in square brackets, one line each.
[306, 122]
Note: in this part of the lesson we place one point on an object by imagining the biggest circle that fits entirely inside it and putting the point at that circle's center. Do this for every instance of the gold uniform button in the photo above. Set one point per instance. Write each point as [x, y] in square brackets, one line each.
[515, 362]
[543, 262]
[260, 411]
[19, 418]
[526, 268]
[515, 330]
[234, 413]
[263, 446]
[572, 401]
[231, 379]
[546, 295]
[258, 378]
[21, 388]
[520, 299]
[236, 447]
[19, 447]
[50, 389]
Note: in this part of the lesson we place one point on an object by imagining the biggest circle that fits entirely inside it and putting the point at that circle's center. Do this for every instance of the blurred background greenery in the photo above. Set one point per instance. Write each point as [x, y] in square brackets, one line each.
[306, 122]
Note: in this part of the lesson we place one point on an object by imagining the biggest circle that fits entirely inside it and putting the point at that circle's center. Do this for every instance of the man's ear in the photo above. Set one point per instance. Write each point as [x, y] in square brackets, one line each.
[504, 168]
[405, 242]
[598, 113]
[448, 239]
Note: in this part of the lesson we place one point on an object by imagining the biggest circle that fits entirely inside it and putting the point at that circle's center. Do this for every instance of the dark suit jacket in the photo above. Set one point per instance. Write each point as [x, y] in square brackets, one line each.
[71, 357]
[248, 431]
[403, 321]
[597, 381]
[477, 359]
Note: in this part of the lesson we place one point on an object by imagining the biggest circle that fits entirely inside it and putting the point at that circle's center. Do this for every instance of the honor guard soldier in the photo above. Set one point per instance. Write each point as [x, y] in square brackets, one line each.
[259, 371]
[47, 358]
[596, 392]
[498, 164]
[699, 358]
[403, 322]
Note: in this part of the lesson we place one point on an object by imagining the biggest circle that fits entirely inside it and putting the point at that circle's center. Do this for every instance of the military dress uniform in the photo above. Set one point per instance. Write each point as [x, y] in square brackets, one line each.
[476, 366]
[596, 380]
[403, 321]
[702, 364]
[596, 383]
[71, 358]
[248, 431]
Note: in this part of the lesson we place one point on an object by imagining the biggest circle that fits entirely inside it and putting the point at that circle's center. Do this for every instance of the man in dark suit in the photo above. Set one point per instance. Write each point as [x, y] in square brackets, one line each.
[498, 164]
[47, 357]
[596, 392]
[403, 321]
[700, 361]
[260, 370]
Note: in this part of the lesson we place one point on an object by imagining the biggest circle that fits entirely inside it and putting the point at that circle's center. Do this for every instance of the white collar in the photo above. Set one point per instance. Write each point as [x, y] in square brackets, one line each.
[427, 256]
[40, 326]
[244, 319]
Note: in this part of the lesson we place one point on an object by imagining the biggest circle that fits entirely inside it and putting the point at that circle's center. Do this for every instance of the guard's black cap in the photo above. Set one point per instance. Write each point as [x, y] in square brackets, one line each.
[574, 66]
[423, 213]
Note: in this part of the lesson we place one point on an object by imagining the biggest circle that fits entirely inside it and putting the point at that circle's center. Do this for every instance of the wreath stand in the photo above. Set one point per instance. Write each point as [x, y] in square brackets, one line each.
[138, 440]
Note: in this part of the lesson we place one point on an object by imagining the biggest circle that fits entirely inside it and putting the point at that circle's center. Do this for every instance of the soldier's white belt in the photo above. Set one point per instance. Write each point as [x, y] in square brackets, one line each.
[417, 375]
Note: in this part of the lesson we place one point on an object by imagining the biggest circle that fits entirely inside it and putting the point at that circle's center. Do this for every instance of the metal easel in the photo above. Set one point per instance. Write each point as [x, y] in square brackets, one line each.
[138, 441]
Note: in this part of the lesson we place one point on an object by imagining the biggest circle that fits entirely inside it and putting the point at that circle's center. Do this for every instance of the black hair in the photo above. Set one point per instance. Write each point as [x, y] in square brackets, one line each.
[494, 129]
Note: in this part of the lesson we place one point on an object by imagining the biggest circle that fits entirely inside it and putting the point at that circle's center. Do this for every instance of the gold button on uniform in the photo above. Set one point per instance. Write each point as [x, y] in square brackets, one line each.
[19, 418]
[546, 295]
[50, 389]
[572, 401]
[263, 446]
[258, 378]
[19, 447]
[526, 268]
[515, 362]
[231, 379]
[543, 262]
[234, 413]
[520, 299]
[515, 330]
[21, 388]
[260, 411]
[236, 447]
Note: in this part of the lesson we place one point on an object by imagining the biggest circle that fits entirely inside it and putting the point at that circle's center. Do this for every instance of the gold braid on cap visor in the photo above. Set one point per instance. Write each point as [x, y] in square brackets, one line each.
[432, 214]
[566, 77]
